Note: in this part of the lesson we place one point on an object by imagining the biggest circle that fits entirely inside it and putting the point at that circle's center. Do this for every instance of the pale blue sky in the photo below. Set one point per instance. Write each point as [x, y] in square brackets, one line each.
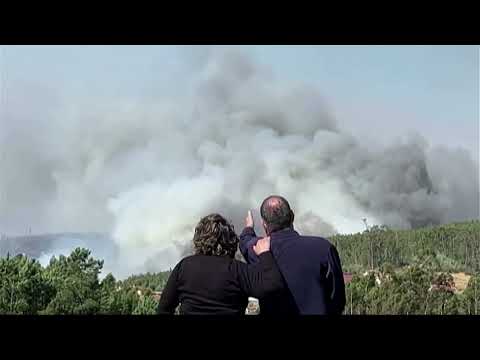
[375, 91]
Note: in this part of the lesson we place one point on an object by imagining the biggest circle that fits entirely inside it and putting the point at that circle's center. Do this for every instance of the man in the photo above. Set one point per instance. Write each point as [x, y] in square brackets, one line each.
[310, 265]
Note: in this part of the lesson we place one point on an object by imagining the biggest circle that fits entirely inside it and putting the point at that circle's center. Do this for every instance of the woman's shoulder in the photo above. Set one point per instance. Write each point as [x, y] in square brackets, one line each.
[237, 262]
[206, 259]
[185, 261]
[188, 260]
[238, 266]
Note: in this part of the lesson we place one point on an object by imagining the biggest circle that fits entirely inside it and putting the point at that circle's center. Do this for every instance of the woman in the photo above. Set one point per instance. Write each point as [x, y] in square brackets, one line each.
[212, 281]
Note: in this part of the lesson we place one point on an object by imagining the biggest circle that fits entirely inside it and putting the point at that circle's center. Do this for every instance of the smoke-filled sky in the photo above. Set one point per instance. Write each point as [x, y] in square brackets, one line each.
[139, 142]
[391, 88]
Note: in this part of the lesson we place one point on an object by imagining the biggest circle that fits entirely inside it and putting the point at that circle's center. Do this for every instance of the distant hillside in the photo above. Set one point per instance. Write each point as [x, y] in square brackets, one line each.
[423, 271]
[35, 245]
[456, 247]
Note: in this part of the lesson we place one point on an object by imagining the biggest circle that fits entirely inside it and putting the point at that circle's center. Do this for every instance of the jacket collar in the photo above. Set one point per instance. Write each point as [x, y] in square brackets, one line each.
[283, 233]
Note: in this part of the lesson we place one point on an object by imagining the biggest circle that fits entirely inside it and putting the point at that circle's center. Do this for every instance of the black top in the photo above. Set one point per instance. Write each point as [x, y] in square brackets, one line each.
[219, 285]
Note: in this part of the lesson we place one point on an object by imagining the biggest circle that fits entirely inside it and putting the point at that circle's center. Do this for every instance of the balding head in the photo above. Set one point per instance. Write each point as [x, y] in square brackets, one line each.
[276, 214]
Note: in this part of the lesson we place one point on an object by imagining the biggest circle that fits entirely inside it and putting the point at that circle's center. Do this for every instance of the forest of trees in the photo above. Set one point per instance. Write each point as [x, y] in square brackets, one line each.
[71, 285]
[410, 271]
[455, 246]
[394, 272]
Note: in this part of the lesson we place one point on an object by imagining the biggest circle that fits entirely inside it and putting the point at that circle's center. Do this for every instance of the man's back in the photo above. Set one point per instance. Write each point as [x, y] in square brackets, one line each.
[311, 268]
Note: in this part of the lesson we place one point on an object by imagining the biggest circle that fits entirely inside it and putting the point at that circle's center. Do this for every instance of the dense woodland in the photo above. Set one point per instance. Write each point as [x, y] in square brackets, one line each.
[394, 272]
[456, 247]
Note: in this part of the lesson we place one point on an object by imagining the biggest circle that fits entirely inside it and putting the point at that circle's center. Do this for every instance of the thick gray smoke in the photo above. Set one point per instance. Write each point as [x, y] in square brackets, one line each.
[146, 173]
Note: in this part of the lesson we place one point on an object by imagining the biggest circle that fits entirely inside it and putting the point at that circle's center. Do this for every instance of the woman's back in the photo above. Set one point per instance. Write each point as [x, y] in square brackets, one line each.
[205, 284]
[212, 282]
[209, 284]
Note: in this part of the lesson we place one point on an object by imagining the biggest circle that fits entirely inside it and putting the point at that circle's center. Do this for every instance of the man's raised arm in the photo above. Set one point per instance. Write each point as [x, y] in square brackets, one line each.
[248, 239]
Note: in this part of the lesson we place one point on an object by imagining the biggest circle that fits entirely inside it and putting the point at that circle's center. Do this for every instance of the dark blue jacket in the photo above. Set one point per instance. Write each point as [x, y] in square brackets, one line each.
[310, 266]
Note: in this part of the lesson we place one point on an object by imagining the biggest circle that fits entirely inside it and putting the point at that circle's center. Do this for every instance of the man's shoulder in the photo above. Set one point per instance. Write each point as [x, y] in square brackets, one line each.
[315, 238]
[317, 241]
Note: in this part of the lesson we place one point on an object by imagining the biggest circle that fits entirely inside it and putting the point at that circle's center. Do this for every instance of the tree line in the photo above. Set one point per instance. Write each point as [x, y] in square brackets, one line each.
[417, 289]
[394, 272]
[456, 247]
[410, 271]
[70, 285]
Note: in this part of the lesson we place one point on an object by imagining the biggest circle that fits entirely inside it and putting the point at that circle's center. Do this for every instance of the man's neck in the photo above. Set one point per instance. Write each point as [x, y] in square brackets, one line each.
[290, 228]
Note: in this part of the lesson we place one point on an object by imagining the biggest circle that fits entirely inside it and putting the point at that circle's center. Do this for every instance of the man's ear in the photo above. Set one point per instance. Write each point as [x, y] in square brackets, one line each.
[265, 227]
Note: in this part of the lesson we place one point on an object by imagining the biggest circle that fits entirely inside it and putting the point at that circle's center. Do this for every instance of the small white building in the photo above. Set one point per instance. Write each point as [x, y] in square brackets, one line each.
[253, 307]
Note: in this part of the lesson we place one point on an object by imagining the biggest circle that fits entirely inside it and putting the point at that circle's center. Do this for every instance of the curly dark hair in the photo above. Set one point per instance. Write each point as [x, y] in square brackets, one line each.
[214, 235]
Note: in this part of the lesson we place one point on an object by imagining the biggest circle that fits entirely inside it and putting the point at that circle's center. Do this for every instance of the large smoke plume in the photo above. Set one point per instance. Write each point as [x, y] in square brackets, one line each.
[146, 172]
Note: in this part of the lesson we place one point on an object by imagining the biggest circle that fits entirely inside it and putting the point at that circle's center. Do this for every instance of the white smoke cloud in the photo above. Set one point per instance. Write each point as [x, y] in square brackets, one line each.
[146, 173]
